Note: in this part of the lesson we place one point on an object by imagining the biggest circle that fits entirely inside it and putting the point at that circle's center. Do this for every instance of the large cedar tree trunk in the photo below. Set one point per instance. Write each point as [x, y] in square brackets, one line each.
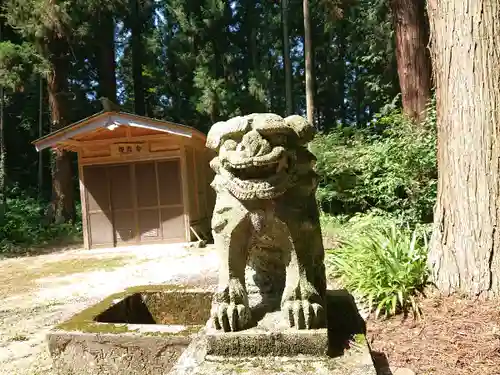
[465, 254]
[106, 56]
[62, 207]
[413, 58]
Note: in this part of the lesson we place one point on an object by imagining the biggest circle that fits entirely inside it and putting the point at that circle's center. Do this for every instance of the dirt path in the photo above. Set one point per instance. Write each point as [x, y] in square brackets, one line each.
[38, 292]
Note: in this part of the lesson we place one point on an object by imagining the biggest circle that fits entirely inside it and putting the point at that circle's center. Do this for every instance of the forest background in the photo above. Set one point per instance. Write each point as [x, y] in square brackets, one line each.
[359, 69]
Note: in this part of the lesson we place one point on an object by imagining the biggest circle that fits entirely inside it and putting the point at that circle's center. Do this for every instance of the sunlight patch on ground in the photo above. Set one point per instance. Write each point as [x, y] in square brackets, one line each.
[19, 278]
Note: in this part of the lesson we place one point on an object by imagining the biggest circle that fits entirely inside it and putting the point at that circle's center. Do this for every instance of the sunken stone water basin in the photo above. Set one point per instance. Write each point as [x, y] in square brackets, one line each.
[143, 330]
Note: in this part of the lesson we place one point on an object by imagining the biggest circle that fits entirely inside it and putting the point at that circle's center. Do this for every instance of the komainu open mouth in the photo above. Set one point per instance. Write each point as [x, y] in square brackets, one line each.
[250, 171]
[255, 173]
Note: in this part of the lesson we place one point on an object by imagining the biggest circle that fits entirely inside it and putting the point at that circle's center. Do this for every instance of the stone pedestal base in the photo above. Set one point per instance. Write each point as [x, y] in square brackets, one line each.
[268, 338]
[196, 361]
[271, 348]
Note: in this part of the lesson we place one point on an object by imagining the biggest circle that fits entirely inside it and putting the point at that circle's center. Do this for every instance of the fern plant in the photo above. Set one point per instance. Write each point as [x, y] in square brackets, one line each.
[384, 267]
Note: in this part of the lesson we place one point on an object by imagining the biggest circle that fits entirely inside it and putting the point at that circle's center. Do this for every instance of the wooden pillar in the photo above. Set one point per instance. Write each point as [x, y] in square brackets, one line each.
[83, 199]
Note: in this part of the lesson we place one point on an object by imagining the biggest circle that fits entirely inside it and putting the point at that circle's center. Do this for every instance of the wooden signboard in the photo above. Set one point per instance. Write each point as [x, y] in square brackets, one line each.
[129, 148]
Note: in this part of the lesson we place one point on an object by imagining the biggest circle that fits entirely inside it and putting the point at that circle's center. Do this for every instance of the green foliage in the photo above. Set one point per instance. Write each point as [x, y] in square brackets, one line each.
[390, 166]
[342, 227]
[381, 263]
[17, 63]
[25, 226]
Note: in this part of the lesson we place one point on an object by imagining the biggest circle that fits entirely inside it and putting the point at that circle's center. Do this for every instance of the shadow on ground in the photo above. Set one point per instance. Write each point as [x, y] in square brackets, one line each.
[381, 363]
[44, 249]
[344, 323]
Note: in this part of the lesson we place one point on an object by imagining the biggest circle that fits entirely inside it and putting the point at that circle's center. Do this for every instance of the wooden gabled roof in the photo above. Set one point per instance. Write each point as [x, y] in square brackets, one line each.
[109, 120]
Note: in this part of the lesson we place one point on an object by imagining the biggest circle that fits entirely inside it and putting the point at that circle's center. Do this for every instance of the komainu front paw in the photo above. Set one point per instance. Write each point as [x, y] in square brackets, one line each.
[230, 317]
[303, 314]
[230, 310]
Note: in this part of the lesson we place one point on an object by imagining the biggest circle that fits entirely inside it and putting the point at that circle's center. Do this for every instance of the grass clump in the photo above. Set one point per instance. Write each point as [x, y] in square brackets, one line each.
[382, 264]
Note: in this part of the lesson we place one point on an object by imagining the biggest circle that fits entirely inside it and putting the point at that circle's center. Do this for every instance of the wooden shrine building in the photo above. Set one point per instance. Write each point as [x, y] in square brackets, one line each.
[141, 180]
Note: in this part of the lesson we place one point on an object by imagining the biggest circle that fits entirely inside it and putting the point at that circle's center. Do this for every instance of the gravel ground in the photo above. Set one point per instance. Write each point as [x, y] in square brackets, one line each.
[40, 291]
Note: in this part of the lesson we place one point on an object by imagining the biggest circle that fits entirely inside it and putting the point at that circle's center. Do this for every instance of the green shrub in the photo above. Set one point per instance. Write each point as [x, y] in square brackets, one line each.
[25, 226]
[342, 227]
[390, 166]
[381, 263]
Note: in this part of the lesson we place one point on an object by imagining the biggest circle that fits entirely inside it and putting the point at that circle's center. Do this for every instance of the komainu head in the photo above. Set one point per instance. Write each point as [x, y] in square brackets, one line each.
[260, 156]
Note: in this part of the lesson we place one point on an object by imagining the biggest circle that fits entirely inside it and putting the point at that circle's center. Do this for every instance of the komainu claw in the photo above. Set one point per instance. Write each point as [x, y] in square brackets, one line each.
[302, 314]
[230, 317]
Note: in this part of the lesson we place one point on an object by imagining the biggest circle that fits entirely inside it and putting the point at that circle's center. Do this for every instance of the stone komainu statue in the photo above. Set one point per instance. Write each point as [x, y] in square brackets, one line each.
[266, 216]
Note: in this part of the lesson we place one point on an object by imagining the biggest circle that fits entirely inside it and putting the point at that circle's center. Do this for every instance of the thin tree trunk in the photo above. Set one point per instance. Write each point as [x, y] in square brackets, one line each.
[106, 64]
[3, 197]
[137, 55]
[62, 208]
[341, 74]
[308, 64]
[286, 58]
[413, 58]
[464, 252]
[252, 23]
[40, 134]
[358, 97]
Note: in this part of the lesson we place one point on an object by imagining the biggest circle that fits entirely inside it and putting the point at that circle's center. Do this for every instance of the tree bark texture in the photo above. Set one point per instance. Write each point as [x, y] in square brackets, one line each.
[62, 207]
[286, 58]
[106, 55]
[413, 57]
[464, 251]
[308, 64]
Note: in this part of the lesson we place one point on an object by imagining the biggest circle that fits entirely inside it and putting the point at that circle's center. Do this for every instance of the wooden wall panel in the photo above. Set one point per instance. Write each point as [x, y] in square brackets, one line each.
[169, 182]
[173, 224]
[201, 172]
[149, 224]
[97, 188]
[192, 191]
[98, 207]
[101, 229]
[146, 187]
[121, 187]
[124, 226]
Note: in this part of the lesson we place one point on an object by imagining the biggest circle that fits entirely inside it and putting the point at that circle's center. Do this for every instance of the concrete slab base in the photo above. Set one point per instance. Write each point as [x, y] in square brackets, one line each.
[195, 361]
[79, 353]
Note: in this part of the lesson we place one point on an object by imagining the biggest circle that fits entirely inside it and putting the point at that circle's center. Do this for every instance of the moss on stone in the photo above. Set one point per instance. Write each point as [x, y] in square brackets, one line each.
[188, 331]
[179, 308]
[240, 370]
[165, 302]
[91, 327]
[360, 339]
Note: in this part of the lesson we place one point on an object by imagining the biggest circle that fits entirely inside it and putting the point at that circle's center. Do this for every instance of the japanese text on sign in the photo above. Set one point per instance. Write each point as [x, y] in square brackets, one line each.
[130, 148]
